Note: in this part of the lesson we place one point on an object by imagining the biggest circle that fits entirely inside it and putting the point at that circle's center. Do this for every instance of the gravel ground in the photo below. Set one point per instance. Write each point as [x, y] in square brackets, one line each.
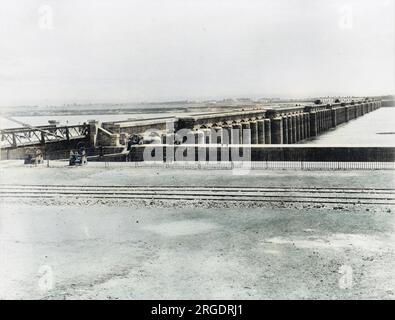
[83, 249]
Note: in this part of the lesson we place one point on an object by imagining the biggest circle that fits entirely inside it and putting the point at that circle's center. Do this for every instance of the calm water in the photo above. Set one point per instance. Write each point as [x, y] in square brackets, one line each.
[364, 130]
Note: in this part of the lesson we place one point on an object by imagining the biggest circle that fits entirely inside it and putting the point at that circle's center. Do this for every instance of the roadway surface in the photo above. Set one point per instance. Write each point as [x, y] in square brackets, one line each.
[113, 232]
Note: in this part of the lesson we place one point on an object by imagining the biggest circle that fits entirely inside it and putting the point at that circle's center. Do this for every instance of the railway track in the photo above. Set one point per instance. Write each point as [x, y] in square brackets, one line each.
[321, 195]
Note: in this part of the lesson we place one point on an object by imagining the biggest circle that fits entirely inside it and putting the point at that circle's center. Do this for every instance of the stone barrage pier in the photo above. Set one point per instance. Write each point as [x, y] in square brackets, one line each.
[282, 125]
[256, 125]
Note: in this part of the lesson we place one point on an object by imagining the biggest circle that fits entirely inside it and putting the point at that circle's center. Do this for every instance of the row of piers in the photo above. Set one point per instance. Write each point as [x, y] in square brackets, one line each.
[255, 126]
[259, 125]
[275, 126]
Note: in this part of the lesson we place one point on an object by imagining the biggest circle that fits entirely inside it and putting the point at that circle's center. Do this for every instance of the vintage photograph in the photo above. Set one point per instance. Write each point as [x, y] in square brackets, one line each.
[197, 150]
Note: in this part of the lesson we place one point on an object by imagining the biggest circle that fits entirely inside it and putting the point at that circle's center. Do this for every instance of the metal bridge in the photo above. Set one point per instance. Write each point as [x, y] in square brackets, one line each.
[26, 136]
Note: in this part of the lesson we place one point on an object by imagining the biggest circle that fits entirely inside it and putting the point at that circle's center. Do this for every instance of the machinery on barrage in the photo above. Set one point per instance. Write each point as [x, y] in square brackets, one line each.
[146, 138]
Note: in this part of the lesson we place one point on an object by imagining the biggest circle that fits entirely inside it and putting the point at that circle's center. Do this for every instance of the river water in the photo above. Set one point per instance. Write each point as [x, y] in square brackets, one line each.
[376, 128]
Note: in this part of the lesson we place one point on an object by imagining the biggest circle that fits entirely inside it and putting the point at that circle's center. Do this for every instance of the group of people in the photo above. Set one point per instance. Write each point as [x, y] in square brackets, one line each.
[78, 157]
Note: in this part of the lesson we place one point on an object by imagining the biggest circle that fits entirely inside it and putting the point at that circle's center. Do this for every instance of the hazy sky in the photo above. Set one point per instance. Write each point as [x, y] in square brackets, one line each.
[52, 52]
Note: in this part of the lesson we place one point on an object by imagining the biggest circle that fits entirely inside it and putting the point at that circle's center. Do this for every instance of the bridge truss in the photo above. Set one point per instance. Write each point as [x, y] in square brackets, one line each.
[41, 135]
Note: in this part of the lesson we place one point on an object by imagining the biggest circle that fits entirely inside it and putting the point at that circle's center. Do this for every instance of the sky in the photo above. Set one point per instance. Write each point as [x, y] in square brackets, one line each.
[90, 51]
